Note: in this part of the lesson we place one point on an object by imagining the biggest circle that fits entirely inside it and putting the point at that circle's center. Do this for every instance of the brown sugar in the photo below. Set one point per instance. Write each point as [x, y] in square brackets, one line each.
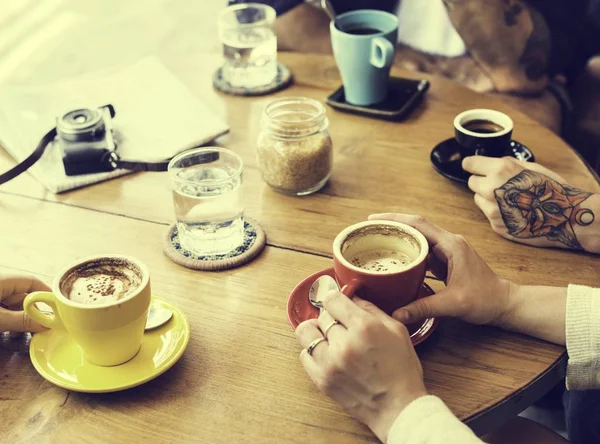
[295, 165]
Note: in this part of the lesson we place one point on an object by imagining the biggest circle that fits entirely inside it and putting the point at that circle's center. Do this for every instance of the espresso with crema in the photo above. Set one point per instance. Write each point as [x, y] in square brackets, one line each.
[102, 281]
[381, 261]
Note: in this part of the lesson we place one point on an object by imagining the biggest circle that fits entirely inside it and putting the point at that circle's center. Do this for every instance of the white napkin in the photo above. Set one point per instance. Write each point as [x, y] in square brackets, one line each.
[156, 118]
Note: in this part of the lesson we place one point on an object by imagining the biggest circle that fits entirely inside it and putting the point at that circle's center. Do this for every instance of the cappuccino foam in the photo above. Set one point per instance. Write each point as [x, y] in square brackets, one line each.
[381, 261]
[101, 282]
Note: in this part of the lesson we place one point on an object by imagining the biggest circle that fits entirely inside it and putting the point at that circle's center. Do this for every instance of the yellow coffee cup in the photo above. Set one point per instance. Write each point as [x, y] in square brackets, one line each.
[109, 332]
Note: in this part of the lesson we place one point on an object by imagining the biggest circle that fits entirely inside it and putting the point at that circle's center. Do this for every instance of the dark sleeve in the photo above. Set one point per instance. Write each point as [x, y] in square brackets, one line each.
[340, 6]
[565, 20]
[280, 6]
[592, 28]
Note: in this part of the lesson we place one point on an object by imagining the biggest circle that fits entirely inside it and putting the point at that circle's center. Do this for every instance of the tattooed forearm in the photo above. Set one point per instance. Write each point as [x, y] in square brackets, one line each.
[534, 205]
[508, 39]
[537, 49]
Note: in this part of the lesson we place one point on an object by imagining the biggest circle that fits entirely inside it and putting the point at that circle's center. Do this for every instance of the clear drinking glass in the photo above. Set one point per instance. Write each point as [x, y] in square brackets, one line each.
[207, 195]
[249, 44]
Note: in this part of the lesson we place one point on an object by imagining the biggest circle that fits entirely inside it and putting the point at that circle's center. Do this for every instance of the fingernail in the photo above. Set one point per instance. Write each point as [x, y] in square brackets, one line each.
[403, 316]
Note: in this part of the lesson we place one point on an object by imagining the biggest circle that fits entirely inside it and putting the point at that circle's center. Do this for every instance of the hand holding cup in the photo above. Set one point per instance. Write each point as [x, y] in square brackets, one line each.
[13, 290]
[473, 293]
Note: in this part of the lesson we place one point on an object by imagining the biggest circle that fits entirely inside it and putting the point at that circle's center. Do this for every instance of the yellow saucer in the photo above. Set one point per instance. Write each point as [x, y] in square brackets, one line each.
[60, 361]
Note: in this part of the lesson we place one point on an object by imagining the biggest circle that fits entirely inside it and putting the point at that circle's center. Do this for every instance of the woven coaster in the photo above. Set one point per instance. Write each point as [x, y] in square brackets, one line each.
[254, 242]
[282, 80]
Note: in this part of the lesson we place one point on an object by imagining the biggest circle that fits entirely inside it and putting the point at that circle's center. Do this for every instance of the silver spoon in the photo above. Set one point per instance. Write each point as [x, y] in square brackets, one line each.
[326, 6]
[157, 316]
[319, 289]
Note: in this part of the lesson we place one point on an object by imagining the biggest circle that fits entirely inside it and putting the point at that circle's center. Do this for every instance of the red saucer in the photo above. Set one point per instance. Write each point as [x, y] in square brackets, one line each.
[299, 308]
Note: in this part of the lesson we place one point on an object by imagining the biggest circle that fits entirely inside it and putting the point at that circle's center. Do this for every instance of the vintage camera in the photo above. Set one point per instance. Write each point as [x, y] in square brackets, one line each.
[86, 140]
[87, 143]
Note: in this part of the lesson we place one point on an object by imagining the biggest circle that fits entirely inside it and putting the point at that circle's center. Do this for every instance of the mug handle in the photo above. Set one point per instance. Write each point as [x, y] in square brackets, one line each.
[351, 288]
[45, 320]
[382, 52]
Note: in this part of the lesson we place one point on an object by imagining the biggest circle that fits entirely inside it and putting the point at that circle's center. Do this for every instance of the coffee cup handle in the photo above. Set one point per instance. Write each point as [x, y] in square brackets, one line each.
[382, 52]
[45, 320]
[351, 288]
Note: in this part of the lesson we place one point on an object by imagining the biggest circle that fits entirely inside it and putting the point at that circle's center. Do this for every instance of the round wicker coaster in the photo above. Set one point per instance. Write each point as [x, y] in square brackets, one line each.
[282, 80]
[254, 242]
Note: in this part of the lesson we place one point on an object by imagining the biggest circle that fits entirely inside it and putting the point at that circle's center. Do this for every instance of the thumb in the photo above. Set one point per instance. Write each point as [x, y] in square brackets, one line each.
[18, 321]
[439, 304]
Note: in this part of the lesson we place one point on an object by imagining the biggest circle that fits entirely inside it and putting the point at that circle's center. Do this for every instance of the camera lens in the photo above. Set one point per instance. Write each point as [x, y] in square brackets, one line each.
[80, 118]
[80, 124]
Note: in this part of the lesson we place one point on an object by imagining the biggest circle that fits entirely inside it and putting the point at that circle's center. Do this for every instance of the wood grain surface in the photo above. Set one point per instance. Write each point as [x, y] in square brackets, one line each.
[240, 379]
[240, 374]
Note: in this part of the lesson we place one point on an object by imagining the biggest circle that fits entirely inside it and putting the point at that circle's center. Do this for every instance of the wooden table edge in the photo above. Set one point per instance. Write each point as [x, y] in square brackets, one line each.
[497, 414]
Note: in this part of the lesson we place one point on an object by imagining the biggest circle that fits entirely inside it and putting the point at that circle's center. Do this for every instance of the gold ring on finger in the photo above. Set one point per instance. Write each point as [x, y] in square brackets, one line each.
[335, 322]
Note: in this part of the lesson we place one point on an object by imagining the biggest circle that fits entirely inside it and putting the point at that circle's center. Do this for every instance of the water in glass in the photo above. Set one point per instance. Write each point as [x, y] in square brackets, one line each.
[209, 208]
[250, 56]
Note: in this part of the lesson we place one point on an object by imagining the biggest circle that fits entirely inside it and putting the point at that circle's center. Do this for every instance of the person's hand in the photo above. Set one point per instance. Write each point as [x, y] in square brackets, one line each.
[528, 203]
[367, 362]
[473, 291]
[13, 290]
[490, 173]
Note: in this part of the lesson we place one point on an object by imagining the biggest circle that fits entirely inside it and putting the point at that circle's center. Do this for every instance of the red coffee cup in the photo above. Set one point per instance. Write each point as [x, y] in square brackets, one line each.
[383, 262]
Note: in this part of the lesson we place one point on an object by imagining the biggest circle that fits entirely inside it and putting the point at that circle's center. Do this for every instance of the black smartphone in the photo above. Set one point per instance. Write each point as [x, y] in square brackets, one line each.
[403, 96]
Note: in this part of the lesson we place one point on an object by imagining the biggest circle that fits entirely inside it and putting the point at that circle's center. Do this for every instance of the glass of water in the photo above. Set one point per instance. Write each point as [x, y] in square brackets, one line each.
[207, 195]
[249, 44]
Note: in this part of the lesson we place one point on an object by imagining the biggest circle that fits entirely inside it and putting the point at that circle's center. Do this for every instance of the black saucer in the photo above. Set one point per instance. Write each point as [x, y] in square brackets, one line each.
[447, 159]
[403, 96]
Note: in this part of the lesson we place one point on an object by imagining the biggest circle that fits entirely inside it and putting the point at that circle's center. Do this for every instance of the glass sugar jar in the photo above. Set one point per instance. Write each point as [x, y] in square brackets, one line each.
[295, 152]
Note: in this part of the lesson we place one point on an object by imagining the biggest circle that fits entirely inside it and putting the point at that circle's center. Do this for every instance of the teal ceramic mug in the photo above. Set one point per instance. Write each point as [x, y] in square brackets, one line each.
[363, 44]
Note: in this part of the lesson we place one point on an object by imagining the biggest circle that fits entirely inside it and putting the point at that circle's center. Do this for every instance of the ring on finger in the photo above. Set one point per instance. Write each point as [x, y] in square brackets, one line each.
[314, 344]
[335, 322]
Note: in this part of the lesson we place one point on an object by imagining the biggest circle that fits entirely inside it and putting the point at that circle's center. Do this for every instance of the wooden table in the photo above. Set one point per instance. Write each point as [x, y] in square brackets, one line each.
[240, 379]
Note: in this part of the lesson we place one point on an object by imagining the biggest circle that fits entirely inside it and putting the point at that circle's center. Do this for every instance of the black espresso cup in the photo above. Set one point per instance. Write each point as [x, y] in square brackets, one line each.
[484, 132]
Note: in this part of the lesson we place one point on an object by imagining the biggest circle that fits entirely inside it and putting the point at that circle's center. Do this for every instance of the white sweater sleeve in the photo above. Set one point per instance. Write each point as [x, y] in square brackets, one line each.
[583, 337]
[427, 420]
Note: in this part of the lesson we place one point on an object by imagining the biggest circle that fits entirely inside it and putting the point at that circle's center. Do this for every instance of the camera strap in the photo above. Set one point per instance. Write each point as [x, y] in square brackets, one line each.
[141, 166]
[112, 161]
[31, 159]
